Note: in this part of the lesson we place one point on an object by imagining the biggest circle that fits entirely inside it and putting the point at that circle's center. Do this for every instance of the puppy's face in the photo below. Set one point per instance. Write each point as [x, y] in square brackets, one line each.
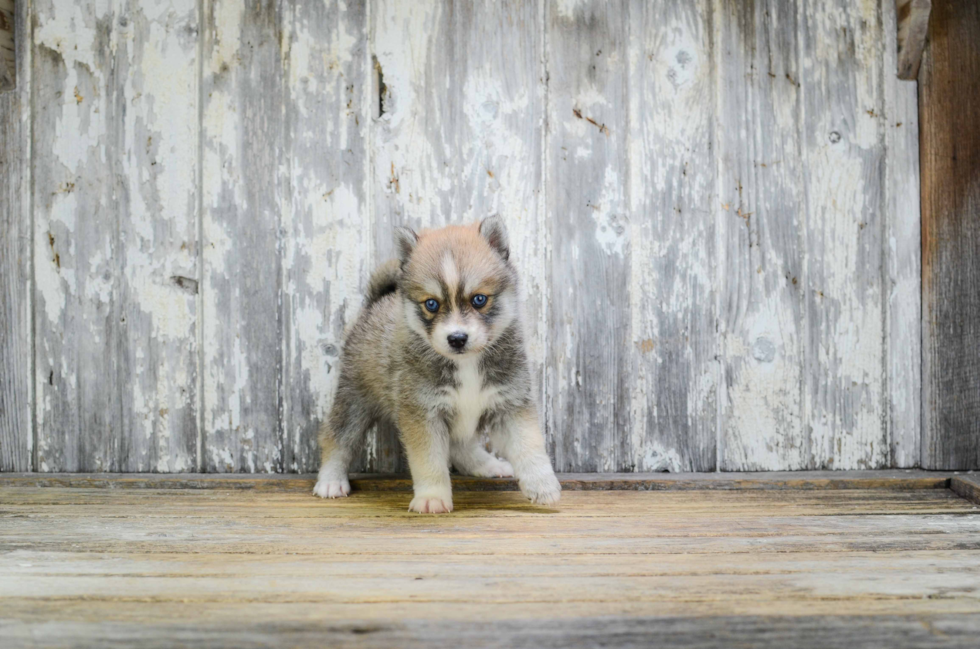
[459, 292]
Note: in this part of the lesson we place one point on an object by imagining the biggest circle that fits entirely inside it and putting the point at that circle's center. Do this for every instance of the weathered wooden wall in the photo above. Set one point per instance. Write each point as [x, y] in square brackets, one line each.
[714, 205]
[949, 103]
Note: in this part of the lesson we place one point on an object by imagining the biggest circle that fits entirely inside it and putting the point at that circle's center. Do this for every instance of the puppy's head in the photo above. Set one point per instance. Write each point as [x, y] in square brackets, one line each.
[458, 288]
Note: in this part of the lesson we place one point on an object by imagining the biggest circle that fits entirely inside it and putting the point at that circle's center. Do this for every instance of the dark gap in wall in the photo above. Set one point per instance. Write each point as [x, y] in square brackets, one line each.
[380, 86]
[8, 49]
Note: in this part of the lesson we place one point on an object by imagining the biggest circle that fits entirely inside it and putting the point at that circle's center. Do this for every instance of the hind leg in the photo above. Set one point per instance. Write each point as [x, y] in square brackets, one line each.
[340, 435]
[469, 457]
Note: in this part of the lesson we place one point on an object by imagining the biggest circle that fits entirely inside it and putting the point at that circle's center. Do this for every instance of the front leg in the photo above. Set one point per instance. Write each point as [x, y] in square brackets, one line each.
[340, 434]
[518, 438]
[470, 458]
[426, 440]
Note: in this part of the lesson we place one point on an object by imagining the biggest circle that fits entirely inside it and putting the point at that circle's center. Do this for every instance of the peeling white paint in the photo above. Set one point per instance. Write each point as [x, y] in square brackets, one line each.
[612, 226]
[844, 379]
[727, 317]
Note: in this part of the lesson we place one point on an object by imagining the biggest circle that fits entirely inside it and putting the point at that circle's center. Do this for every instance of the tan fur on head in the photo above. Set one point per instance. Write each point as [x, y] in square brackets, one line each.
[452, 266]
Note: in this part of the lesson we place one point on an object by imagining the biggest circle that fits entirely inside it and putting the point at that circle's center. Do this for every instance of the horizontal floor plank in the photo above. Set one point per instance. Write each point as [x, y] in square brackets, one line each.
[335, 533]
[25, 564]
[787, 480]
[942, 629]
[190, 503]
[843, 581]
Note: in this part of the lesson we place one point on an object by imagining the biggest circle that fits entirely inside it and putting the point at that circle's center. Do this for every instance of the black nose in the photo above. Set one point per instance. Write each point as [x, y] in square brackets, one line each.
[457, 340]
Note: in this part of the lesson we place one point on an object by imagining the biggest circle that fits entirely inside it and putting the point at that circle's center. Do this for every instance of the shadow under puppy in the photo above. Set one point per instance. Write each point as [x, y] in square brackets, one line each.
[439, 350]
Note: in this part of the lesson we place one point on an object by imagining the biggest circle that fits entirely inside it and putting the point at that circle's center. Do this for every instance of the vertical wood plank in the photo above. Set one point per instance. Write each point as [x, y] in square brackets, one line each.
[16, 332]
[156, 94]
[413, 164]
[672, 205]
[760, 221]
[949, 128]
[116, 137]
[590, 350]
[843, 177]
[76, 243]
[241, 290]
[328, 229]
[500, 134]
[902, 250]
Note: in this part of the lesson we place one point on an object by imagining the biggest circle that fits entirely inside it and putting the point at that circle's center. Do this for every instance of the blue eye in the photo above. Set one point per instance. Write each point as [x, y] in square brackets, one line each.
[431, 305]
[478, 300]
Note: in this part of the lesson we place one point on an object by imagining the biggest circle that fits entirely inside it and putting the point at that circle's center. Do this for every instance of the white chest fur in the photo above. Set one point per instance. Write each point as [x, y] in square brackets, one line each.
[470, 399]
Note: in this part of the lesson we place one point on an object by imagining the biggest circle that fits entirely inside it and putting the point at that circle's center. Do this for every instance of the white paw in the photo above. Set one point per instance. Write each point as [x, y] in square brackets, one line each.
[332, 488]
[425, 504]
[541, 488]
[495, 468]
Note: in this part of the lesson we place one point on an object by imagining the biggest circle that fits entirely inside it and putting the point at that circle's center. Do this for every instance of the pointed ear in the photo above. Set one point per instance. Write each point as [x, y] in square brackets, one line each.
[405, 242]
[495, 232]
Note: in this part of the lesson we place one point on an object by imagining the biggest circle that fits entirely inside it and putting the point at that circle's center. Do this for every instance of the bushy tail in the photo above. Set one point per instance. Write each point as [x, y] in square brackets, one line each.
[384, 280]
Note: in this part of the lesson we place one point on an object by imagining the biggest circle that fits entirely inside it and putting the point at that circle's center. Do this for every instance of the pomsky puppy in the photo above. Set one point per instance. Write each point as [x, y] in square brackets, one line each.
[438, 350]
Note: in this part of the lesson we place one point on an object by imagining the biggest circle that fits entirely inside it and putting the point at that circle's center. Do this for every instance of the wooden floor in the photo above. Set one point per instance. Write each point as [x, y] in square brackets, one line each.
[871, 563]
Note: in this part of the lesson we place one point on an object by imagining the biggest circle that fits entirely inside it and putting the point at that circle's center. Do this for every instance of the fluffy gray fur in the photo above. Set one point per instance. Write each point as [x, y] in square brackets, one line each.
[396, 367]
